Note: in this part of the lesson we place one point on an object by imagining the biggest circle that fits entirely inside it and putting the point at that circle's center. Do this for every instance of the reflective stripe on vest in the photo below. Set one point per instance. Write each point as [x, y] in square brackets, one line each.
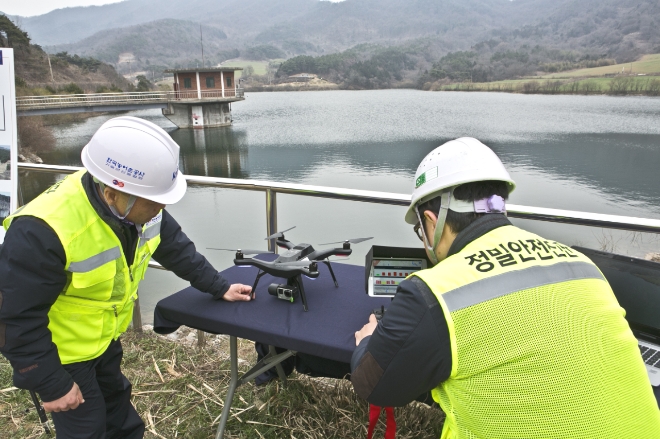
[97, 303]
[540, 347]
[95, 261]
[151, 229]
[511, 282]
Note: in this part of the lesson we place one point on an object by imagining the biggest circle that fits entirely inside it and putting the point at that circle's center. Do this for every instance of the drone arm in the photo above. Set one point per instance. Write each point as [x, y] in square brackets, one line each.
[324, 254]
[262, 265]
[277, 270]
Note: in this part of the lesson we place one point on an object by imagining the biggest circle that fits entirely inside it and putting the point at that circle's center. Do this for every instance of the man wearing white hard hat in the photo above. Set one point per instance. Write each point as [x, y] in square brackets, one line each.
[70, 267]
[516, 336]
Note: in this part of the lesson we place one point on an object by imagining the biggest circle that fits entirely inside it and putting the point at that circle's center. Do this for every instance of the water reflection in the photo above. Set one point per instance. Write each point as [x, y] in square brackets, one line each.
[216, 152]
[618, 169]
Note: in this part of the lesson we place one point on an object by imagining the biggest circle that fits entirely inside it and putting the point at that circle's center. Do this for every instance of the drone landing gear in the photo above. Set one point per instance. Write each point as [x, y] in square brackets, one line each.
[294, 282]
[256, 281]
[297, 282]
[332, 273]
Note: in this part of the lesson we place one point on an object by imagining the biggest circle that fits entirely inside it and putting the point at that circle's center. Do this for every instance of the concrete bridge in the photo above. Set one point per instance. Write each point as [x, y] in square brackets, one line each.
[168, 101]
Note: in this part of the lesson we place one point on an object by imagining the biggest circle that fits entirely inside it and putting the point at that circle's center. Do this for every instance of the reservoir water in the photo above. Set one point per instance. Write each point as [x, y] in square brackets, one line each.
[596, 154]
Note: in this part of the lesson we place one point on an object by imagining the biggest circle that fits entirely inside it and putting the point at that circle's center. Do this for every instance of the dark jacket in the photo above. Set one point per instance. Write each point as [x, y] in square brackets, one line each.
[409, 353]
[32, 276]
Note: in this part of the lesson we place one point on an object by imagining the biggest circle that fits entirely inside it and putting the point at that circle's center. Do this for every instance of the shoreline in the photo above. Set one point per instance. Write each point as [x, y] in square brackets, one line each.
[597, 86]
[594, 86]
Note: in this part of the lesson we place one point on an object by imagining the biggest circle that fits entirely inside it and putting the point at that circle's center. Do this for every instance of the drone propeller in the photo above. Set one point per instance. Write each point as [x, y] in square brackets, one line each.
[279, 234]
[244, 251]
[350, 241]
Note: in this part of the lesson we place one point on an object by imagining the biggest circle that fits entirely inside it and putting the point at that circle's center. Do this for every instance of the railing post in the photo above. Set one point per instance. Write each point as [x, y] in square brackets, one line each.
[271, 217]
[21, 201]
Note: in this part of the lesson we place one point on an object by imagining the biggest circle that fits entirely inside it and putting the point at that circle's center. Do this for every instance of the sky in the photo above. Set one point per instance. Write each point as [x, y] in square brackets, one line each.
[28, 8]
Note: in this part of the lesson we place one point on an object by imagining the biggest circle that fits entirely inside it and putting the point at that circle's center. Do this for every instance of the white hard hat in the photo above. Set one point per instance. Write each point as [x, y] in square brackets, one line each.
[137, 157]
[454, 163]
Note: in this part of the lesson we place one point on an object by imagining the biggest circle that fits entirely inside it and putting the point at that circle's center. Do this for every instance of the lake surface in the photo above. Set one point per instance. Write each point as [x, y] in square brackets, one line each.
[595, 154]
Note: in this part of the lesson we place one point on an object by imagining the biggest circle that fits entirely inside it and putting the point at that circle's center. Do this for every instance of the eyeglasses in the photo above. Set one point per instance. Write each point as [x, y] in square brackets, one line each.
[418, 231]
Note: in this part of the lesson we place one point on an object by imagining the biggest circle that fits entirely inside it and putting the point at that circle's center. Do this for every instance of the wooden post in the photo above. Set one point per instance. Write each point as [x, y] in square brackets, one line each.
[52, 78]
[137, 316]
[201, 339]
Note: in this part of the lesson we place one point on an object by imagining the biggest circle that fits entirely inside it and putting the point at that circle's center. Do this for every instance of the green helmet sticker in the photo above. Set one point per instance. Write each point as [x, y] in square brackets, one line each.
[427, 176]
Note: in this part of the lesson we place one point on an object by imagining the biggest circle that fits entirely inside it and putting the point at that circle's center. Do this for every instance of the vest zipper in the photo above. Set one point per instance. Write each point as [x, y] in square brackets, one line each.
[114, 335]
[130, 270]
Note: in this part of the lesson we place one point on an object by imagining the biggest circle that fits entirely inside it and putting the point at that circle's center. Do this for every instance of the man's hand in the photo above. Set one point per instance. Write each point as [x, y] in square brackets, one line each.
[238, 293]
[70, 401]
[366, 330]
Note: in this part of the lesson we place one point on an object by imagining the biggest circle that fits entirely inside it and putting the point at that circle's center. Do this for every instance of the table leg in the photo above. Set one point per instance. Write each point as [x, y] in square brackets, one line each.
[233, 384]
[270, 360]
[278, 366]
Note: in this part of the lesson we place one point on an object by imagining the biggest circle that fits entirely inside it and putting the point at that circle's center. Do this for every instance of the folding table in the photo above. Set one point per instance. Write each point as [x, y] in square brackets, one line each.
[327, 330]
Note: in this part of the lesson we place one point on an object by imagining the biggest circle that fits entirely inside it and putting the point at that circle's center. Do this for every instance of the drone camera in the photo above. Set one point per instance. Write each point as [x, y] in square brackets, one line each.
[284, 292]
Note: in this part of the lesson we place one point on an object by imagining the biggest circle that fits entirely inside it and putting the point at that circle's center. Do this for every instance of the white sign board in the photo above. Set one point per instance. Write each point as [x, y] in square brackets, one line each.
[8, 142]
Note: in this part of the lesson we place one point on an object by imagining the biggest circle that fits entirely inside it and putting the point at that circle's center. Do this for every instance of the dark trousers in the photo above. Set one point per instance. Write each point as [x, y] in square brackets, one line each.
[107, 412]
[303, 363]
[314, 366]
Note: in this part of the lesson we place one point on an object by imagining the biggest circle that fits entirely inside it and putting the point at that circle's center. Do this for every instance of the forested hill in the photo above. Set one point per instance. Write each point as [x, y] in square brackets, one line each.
[491, 38]
[64, 74]
[291, 27]
[152, 46]
[238, 17]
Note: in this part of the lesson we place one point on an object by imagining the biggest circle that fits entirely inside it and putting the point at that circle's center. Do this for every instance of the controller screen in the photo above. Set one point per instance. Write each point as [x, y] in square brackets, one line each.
[387, 274]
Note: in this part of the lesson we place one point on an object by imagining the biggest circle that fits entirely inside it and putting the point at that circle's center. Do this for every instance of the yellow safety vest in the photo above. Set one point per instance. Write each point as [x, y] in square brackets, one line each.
[540, 346]
[96, 305]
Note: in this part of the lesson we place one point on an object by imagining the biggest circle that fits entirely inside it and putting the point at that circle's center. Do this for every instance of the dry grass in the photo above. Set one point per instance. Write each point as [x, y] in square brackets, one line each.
[34, 136]
[179, 392]
[648, 64]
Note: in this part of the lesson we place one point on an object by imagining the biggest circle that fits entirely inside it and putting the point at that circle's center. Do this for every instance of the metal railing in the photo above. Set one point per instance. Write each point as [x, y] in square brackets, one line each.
[192, 94]
[76, 100]
[271, 189]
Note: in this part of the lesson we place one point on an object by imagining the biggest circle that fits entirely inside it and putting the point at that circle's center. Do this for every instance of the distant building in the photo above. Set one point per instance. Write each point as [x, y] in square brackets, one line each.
[203, 97]
[207, 82]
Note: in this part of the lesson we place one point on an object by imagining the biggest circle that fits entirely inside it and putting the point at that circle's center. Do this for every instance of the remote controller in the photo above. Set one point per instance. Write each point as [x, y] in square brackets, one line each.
[379, 312]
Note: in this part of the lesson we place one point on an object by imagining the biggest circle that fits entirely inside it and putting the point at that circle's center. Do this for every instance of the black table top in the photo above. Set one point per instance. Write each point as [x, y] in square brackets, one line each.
[326, 330]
